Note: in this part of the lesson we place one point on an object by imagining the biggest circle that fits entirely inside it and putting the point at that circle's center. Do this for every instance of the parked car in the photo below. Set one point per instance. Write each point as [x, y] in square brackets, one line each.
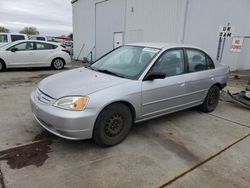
[131, 84]
[69, 46]
[6, 38]
[38, 37]
[33, 53]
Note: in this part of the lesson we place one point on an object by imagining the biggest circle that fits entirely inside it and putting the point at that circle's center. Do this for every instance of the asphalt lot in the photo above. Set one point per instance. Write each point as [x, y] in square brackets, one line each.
[184, 149]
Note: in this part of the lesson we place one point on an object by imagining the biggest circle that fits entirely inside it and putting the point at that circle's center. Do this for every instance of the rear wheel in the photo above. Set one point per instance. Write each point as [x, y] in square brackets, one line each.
[212, 99]
[112, 125]
[58, 64]
[2, 66]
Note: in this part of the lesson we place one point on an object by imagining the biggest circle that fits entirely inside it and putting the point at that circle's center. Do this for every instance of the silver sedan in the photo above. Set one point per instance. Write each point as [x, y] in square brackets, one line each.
[130, 84]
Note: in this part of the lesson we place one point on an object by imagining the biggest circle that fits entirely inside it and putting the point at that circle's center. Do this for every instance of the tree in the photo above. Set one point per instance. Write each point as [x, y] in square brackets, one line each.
[30, 31]
[4, 30]
[70, 36]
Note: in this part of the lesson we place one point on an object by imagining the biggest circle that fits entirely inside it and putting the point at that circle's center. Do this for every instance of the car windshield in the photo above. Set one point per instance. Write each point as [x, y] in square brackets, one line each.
[127, 61]
[6, 46]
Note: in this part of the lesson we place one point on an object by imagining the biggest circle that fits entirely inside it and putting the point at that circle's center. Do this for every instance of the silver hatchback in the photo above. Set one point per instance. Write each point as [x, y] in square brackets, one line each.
[130, 84]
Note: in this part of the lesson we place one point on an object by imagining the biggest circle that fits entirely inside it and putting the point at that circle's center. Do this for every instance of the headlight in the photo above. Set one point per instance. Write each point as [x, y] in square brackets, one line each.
[73, 103]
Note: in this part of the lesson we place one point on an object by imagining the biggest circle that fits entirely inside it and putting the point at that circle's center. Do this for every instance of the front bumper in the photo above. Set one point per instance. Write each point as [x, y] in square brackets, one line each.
[66, 124]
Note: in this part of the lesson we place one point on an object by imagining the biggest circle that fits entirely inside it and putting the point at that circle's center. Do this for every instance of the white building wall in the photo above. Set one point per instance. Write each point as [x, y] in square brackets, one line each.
[110, 18]
[163, 21]
[154, 20]
[83, 27]
[205, 17]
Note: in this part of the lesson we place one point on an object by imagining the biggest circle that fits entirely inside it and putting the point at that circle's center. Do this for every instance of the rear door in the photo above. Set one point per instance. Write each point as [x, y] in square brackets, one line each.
[200, 74]
[43, 53]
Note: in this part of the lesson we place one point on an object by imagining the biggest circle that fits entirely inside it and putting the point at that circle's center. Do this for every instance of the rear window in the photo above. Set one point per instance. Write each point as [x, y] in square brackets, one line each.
[3, 38]
[17, 37]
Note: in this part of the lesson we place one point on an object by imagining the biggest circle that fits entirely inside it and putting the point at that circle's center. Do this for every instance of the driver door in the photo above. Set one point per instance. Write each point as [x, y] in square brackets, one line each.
[161, 96]
[22, 57]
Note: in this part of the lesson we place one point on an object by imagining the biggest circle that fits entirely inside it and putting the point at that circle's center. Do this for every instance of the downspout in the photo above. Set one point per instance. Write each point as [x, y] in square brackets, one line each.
[185, 22]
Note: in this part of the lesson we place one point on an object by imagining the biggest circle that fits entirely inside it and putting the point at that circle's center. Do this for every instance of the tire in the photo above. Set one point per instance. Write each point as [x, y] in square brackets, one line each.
[58, 64]
[112, 125]
[212, 99]
[2, 66]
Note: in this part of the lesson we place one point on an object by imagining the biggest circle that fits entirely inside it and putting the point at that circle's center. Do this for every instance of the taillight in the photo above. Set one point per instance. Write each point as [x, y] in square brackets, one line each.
[67, 51]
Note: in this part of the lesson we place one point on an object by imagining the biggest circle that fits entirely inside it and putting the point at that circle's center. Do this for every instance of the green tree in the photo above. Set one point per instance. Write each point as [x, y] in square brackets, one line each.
[30, 31]
[4, 30]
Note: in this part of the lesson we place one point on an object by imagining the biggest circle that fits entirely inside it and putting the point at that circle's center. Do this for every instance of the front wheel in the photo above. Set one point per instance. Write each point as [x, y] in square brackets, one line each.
[112, 125]
[2, 66]
[58, 64]
[212, 99]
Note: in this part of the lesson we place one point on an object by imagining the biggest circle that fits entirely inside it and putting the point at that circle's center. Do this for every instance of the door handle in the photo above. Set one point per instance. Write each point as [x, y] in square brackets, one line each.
[211, 77]
[182, 84]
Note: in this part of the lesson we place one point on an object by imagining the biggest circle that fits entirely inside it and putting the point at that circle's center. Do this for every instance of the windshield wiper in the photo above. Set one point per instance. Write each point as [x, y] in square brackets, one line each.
[89, 67]
[109, 72]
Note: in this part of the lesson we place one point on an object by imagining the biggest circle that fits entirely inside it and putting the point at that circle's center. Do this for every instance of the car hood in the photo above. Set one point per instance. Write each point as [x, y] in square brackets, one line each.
[80, 81]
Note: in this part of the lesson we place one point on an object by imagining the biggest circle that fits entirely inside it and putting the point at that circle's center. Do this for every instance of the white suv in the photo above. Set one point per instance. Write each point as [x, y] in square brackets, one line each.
[6, 38]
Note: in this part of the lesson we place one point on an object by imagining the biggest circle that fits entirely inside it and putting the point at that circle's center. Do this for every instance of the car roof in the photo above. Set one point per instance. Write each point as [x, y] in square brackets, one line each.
[20, 41]
[161, 45]
[13, 33]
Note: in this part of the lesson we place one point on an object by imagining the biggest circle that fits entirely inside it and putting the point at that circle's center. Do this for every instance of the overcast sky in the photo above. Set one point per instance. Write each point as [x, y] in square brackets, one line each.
[50, 17]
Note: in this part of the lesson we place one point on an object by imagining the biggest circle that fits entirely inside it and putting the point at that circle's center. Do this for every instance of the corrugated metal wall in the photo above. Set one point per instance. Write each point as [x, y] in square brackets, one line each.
[154, 20]
[205, 17]
[243, 59]
[161, 21]
[110, 18]
[83, 27]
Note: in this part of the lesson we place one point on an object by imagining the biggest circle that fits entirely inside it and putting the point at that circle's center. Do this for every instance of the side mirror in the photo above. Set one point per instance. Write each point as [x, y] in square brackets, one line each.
[155, 75]
[14, 49]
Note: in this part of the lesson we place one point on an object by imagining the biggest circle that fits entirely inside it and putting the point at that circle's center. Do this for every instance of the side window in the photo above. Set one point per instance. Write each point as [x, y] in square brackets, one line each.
[30, 46]
[3, 38]
[210, 63]
[24, 46]
[54, 46]
[17, 37]
[196, 61]
[44, 46]
[19, 47]
[170, 62]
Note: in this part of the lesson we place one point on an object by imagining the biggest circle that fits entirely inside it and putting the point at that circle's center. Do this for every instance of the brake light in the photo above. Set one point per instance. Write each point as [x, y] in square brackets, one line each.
[67, 51]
